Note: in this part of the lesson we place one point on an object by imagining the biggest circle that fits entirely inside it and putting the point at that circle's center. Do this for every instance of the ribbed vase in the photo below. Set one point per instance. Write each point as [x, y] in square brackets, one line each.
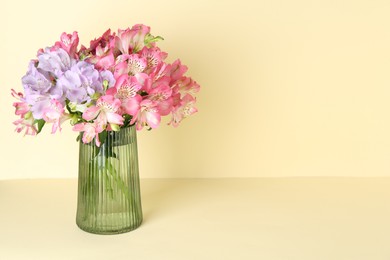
[109, 200]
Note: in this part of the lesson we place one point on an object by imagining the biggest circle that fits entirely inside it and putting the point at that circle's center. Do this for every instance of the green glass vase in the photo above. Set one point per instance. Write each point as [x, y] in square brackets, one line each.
[109, 200]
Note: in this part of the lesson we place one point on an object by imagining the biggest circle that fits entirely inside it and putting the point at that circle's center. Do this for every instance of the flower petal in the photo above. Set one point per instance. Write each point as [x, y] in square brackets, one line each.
[114, 118]
[153, 119]
[91, 113]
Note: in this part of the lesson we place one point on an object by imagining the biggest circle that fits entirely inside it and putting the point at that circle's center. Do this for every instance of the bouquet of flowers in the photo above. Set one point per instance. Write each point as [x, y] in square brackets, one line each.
[120, 80]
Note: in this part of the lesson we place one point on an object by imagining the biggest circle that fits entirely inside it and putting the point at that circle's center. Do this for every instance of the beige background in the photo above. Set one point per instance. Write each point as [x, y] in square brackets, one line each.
[289, 88]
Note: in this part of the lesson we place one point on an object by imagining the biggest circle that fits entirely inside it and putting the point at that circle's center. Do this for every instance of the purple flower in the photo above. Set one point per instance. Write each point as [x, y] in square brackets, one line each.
[81, 82]
[70, 83]
[89, 76]
[35, 82]
[39, 89]
[107, 75]
[41, 103]
[55, 62]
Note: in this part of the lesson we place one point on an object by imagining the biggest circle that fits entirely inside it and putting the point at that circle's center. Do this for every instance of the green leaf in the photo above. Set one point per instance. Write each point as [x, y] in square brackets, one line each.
[103, 137]
[127, 120]
[96, 150]
[40, 123]
[149, 39]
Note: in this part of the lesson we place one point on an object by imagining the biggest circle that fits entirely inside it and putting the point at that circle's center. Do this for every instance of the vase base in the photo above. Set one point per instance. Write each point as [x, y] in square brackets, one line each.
[108, 231]
[101, 224]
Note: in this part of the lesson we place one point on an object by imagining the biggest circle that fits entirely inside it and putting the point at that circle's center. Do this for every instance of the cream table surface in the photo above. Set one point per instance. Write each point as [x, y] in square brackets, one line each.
[265, 218]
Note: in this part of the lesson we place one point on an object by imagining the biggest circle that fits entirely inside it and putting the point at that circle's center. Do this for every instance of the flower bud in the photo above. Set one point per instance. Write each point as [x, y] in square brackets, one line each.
[28, 115]
[115, 127]
[105, 84]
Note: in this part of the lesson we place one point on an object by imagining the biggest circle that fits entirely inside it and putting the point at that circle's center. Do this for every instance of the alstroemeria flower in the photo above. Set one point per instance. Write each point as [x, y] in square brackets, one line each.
[138, 37]
[122, 41]
[131, 64]
[26, 120]
[185, 108]
[103, 59]
[177, 70]
[105, 111]
[21, 108]
[91, 131]
[147, 115]
[69, 43]
[125, 90]
[27, 125]
[131, 40]
[55, 114]
[160, 75]
[186, 85]
[153, 57]
[162, 95]
[106, 40]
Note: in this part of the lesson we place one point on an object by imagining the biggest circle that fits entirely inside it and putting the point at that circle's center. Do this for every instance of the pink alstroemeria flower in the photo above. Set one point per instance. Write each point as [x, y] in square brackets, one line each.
[185, 108]
[55, 114]
[125, 90]
[21, 108]
[186, 85]
[91, 131]
[177, 70]
[122, 41]
[69, 43]
[162, 96]
[26, 120]
[153, 57]
[131, 40]
[160, 75]
[130, 64]
[27, 124]
[104, 58]
[147, 115]
[105, 111]
[106, 40]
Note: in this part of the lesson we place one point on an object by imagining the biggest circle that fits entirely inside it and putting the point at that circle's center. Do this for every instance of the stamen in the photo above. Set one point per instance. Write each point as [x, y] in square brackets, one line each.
[135, 66]
[127, 91]
[105, 106]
